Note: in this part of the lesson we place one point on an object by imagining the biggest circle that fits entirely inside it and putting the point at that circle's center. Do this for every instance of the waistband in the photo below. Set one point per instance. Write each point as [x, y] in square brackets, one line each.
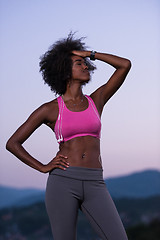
[80, 173]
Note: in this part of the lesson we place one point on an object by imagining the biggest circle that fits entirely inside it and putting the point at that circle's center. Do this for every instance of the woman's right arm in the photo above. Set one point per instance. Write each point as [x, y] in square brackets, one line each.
[14, 144]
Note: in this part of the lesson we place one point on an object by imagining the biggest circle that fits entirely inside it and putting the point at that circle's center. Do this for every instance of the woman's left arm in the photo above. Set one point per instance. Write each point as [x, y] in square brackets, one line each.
[106, 91]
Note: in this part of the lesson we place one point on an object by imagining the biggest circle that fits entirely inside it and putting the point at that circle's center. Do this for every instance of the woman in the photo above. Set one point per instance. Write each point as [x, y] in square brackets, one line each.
[75, 173]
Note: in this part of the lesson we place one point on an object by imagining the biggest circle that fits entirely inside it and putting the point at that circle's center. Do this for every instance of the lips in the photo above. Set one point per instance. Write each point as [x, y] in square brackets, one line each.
[86, 72]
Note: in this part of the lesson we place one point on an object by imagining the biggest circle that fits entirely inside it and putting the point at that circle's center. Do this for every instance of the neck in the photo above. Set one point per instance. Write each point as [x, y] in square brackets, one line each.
[74, 91]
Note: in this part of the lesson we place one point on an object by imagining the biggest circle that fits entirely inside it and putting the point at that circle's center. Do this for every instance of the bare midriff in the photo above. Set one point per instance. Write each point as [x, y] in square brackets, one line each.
[82, 152]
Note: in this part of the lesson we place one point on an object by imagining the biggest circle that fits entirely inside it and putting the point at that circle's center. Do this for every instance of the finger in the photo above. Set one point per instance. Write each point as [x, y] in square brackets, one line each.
[78, 53]
[61, 159]
[61, 162]
[74, 52]
[61, 166]
[62, 156]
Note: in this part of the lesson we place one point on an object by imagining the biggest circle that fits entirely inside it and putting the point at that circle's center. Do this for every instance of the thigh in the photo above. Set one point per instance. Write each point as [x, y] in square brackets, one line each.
[62, 207]
[99, 208]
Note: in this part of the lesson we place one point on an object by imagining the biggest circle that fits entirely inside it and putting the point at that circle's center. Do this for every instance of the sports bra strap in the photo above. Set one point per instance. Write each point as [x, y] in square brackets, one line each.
[61, 107]
[93, 106]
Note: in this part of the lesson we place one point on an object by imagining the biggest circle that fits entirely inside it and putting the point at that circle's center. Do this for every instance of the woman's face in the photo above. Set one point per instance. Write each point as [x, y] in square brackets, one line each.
[80, 70]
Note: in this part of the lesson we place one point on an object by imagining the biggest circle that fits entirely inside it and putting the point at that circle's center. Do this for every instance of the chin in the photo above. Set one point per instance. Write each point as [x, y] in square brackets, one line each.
[85, 82]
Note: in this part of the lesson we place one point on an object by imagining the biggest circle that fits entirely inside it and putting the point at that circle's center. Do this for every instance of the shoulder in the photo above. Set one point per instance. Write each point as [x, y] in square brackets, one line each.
[52, 105]
[49, 111]
[45, 111]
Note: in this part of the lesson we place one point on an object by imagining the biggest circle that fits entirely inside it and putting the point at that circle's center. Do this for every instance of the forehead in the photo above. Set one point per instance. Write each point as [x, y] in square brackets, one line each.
[77, 59]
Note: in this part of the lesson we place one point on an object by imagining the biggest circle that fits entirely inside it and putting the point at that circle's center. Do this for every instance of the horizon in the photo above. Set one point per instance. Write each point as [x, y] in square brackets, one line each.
[105, 179]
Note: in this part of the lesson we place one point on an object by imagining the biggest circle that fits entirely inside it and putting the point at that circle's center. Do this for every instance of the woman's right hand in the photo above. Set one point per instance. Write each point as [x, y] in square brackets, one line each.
[59, 161]
[81, 53]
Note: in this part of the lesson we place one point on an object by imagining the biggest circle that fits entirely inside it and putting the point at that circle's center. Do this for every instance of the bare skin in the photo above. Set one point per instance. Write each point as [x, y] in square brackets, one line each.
[80, 151]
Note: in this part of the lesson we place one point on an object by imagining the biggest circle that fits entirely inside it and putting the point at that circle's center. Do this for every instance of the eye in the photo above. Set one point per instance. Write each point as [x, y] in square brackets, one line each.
[85, 63]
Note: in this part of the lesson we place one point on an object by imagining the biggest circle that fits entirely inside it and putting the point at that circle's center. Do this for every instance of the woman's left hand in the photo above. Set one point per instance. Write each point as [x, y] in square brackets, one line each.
[82, 53]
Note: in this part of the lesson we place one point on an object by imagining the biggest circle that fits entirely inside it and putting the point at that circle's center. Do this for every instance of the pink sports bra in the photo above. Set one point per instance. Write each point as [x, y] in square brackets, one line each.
[76, 124]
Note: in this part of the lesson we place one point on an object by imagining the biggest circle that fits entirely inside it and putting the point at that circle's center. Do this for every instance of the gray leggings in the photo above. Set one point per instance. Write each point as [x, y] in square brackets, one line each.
[83, 188]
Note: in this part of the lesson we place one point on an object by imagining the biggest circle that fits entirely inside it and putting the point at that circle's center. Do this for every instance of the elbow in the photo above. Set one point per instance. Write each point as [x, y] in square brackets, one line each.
[9, 145]
[128, 64]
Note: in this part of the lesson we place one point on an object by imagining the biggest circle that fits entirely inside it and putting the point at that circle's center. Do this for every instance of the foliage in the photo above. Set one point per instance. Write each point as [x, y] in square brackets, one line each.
[145, 232]
[31, 222]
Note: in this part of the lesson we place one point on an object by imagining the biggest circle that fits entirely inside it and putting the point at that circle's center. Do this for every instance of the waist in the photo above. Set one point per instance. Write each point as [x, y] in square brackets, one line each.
[80, 173]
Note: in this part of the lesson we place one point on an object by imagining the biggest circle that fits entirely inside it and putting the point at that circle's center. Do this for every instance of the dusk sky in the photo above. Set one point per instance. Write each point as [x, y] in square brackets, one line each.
[130, 122]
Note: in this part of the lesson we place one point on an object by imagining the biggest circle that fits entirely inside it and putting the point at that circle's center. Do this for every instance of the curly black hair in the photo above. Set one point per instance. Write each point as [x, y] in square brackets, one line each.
[56, 63]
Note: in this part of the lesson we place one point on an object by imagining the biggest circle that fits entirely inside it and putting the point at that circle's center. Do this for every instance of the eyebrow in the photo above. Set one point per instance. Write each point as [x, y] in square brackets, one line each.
[79, 60]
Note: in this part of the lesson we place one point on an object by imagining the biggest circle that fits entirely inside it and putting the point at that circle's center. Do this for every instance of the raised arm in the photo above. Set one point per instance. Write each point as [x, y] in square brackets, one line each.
[14, 144]
[106, 91]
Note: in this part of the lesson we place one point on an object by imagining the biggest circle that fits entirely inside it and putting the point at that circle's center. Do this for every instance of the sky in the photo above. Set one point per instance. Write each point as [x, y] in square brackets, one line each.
[130, 121]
